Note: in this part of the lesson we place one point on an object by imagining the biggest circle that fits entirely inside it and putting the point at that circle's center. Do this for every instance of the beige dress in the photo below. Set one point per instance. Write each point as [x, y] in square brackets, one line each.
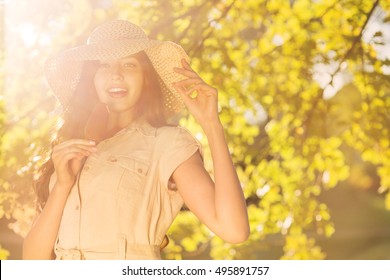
[123, 203]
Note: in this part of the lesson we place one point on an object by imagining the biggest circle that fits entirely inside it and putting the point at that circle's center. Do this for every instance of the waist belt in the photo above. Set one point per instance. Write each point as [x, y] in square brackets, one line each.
[128, 251]
[69, 254]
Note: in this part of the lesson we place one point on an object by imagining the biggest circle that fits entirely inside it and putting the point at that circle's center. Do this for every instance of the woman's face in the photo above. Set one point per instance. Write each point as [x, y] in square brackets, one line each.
[119, 83]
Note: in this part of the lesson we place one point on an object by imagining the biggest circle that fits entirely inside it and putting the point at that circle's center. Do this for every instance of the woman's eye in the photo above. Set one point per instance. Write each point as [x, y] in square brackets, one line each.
[129, 65]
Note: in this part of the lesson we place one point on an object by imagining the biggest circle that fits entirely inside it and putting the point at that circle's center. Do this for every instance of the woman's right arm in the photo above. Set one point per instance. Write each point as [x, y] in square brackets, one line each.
[39, 242]
[68, 159]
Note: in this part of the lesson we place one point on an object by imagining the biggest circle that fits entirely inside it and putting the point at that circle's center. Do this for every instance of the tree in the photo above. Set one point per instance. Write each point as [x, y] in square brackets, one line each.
[279, 67]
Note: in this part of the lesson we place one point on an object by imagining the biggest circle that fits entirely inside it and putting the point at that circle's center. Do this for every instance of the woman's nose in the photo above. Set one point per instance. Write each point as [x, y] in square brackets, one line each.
[116, 72]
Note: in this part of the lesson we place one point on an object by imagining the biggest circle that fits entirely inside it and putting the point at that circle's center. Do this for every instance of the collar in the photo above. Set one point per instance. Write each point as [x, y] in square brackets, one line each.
[141, 126]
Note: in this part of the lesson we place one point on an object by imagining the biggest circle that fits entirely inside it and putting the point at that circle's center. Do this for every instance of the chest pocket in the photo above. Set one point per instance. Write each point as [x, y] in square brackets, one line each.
[132, 174]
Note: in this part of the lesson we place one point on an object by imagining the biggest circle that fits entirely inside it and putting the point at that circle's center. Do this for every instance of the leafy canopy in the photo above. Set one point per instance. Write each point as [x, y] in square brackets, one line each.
[300, 84]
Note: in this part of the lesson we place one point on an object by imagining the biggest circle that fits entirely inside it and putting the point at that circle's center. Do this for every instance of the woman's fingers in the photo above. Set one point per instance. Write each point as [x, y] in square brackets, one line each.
[188, 86]
[188, 72]
[200, 98]
[68, 157]
[65, 159]
[74, 148]
[71, 148]
[189, 82]
[193, 82]
[83, 142]
[201, 88]
[186, 64]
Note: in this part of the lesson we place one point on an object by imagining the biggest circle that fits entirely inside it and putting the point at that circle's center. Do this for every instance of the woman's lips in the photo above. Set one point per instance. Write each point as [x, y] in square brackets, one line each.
[117, 92]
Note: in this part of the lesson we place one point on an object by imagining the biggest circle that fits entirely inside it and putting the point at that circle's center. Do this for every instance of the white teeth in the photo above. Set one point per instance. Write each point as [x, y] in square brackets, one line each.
[116, 89]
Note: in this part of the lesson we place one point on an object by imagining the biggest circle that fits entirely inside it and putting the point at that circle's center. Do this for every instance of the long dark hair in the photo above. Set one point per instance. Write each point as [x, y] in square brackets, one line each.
[150, 106]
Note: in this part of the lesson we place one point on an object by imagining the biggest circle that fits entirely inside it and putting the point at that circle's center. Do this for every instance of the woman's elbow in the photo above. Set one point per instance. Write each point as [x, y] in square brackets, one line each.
[28, 252]
[237, 236]
[32, 252]
[242, 237]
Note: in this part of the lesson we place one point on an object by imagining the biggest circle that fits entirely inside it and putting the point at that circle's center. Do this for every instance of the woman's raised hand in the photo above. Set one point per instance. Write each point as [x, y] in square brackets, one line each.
[68, 158]
[200, 98]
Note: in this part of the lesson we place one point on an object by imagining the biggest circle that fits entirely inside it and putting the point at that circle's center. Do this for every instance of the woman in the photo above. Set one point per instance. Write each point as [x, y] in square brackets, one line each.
[119, 174]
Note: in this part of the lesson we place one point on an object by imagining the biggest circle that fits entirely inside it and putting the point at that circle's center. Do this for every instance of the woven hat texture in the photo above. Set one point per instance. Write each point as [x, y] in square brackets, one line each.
[113, 40]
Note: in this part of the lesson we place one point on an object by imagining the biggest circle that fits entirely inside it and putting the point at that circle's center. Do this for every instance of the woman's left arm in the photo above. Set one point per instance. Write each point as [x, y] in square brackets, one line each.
[220, 205]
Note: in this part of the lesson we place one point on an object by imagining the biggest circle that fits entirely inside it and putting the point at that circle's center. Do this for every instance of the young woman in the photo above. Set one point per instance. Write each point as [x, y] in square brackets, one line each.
[119, 172]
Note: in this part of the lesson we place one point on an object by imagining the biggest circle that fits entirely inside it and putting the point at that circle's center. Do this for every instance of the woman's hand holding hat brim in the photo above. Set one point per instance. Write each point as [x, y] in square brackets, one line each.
[200, 98]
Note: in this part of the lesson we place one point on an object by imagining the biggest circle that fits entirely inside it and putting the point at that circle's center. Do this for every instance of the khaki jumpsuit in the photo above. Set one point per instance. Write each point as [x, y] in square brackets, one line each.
[122, 203]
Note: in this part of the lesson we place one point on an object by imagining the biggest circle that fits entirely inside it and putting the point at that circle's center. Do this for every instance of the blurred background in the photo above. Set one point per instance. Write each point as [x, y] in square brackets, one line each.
[304, 96]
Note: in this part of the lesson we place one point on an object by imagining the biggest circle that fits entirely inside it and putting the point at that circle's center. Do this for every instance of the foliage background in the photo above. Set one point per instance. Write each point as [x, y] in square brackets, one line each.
[304, 97]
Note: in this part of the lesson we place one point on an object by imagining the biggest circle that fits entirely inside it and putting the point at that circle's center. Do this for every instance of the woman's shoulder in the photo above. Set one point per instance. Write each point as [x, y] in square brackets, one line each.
[172, 130]
[174, 141]
[175, 134]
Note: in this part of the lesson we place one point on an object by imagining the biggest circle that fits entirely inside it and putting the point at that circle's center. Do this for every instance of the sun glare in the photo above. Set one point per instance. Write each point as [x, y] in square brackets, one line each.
[28, 34]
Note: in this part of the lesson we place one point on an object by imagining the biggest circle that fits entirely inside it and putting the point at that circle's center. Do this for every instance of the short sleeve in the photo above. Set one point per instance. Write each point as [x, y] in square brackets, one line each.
[178, 146]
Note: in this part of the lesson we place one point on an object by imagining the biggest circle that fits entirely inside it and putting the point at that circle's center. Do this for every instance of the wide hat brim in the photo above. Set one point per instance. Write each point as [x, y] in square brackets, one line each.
[63, 71]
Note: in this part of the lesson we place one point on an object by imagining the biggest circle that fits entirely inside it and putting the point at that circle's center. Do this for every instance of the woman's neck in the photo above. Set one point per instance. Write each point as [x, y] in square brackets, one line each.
[103, 124]
[117, 121]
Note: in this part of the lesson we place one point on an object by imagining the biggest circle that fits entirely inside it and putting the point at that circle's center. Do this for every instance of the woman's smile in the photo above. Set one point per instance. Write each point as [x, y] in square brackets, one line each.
[117, 92]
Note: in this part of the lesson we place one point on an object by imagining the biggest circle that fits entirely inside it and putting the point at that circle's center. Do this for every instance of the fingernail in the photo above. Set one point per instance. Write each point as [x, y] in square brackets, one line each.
[92, 142]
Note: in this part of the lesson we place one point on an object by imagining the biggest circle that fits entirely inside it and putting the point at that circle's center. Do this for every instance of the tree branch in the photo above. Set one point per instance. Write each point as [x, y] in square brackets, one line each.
[198, 46]
[356, 40]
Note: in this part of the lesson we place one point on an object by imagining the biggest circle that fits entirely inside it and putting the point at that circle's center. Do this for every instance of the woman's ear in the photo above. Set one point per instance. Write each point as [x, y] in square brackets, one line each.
[96, 126]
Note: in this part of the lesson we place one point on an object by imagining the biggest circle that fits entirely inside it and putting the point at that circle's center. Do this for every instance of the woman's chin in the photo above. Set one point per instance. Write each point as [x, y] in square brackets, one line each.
[118, 108]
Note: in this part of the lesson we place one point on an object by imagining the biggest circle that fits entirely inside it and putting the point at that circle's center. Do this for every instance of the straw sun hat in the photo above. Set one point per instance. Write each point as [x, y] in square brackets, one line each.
[113, 40]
